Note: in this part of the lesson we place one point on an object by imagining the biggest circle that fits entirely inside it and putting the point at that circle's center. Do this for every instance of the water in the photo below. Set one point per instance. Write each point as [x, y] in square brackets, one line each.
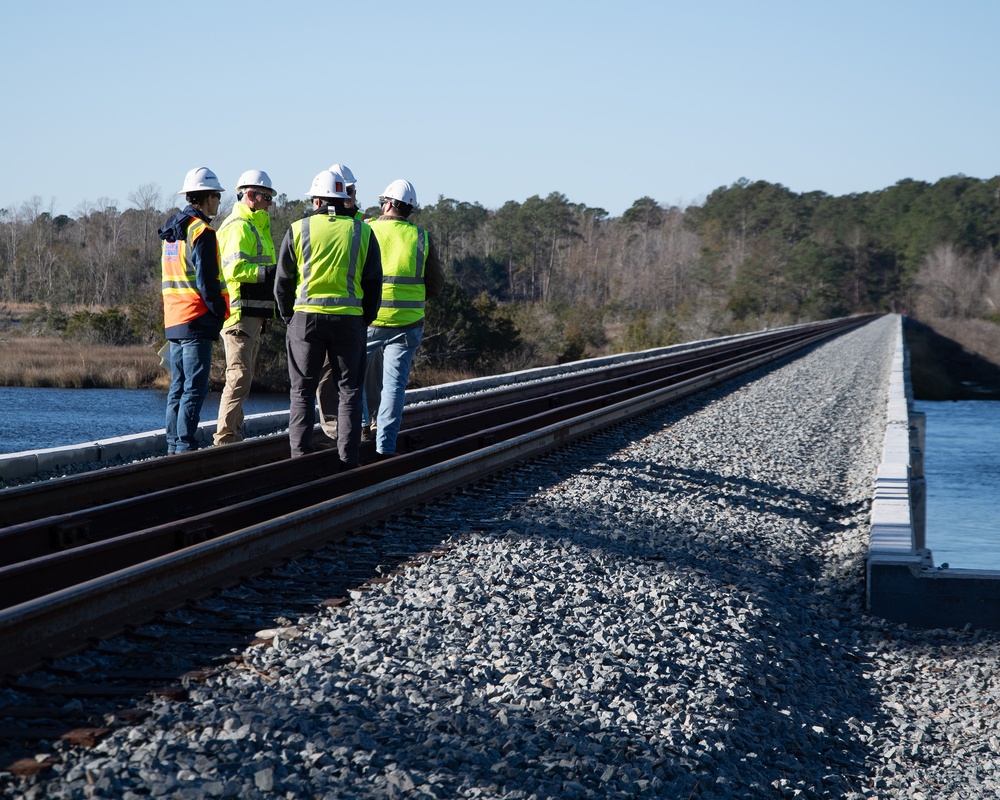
[35, 419]
[962, 465]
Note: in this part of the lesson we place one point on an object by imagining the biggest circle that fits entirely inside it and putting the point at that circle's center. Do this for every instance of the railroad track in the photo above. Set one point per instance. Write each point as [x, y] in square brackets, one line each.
[87, 557]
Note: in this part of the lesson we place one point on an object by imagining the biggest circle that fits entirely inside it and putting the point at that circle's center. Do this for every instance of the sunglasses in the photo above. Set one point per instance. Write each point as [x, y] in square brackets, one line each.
[264, 197]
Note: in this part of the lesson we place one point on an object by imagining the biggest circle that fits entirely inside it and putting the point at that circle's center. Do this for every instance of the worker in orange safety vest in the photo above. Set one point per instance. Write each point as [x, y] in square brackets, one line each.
[195, 304]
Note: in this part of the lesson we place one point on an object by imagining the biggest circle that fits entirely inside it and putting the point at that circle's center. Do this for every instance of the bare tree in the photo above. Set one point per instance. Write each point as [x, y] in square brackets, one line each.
[102, 233]
[956, 284]
[146, 199]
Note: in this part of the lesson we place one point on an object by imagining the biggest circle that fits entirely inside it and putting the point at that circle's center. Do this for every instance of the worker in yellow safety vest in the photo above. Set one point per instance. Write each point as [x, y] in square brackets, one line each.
[195, 304]
[351, 204]
[327, 290]
[326, 394]
[249, 265]
[411, 275]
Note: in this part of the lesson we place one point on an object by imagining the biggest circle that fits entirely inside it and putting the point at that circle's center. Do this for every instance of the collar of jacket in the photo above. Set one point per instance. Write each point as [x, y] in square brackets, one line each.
[260, 219]
[175, 228]
[329, 209]
[192, 211]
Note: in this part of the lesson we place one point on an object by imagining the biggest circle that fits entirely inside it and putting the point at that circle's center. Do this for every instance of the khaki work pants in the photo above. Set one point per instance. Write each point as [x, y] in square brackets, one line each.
[242, 342]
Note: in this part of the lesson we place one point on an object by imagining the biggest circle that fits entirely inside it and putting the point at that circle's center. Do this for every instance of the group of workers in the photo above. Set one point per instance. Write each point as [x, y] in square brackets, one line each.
[351, 291]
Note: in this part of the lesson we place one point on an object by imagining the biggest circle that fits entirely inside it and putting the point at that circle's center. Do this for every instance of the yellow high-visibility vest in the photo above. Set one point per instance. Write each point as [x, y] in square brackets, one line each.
[247, 251]
[330, 253]
[404, 248]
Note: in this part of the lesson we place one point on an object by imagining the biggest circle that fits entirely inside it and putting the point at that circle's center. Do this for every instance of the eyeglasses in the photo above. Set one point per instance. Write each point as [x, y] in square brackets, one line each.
[264, 197]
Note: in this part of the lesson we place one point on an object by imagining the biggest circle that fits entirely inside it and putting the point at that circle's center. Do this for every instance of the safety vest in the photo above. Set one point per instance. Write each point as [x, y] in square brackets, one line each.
[330, 252]
[182, 302]
[404, 248]
[247, 251]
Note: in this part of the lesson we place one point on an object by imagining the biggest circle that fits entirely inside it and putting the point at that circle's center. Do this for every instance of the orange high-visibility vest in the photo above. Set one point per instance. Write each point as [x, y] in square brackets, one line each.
[181, 300]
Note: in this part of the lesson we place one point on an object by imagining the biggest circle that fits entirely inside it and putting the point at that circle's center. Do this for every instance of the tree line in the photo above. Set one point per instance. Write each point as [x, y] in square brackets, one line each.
[548, 279]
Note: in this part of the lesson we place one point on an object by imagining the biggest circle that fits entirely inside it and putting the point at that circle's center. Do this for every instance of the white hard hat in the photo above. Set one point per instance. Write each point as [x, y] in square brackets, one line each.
[402, 191]
[201, 179]
[328, 184]
[255, 178]
[346, 172]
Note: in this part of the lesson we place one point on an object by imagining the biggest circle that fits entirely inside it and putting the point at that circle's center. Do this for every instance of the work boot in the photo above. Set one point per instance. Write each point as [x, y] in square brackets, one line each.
[321, 441]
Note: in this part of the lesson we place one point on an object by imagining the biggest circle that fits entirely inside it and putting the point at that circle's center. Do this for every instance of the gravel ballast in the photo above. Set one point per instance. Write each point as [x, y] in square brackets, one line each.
[673, 608]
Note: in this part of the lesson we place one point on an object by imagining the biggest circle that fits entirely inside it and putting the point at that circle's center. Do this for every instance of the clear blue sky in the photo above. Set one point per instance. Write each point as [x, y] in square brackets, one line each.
[490, 102]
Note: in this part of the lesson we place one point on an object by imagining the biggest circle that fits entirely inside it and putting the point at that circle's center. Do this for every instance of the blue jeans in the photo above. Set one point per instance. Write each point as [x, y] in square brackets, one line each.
[190, 364]
[398, 346]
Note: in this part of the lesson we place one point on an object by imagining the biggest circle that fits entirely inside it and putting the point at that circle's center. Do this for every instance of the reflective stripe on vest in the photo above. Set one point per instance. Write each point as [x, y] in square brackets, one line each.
[253, 299]
[404, 251]
[252, 258]
[181, 300]
[330, 252]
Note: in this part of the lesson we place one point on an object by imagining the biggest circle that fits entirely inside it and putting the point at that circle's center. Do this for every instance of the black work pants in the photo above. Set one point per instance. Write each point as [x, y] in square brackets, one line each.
[311, 339]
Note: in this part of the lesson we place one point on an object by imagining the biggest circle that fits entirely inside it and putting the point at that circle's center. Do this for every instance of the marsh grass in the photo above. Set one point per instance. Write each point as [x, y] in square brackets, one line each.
[54, 363]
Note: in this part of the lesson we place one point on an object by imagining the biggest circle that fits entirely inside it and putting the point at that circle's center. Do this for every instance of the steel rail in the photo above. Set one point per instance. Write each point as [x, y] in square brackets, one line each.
[35, 561]
[22, 547]
[66, 619]
[100, 487]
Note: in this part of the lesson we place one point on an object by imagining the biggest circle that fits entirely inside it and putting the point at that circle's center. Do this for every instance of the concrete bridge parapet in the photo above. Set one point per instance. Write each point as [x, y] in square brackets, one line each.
[902, 584]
